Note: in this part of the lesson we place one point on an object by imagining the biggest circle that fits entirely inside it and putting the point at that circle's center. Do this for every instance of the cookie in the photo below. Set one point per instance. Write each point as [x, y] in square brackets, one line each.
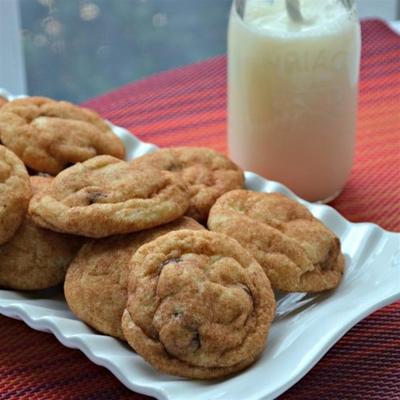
[96, 282]
[50, 135]
[298, 253]
[199, 306]
[105, 196]
[207, 173]
[3, 101]
[36, 258]
[15, 192]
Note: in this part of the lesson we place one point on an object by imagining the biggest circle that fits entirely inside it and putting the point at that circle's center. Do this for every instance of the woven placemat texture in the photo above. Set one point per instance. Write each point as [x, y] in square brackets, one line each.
[187, 106]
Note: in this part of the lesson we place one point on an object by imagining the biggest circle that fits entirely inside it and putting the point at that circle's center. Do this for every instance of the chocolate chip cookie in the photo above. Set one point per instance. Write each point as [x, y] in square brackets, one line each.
[50, 135]
[96, 282]
[298, 253]
[105, 196]
[207, 173]
[36, 258]
[15, 192]
[199, 305]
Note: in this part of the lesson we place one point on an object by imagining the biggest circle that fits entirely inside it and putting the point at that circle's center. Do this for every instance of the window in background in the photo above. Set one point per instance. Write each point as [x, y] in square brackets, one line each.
[79, 48]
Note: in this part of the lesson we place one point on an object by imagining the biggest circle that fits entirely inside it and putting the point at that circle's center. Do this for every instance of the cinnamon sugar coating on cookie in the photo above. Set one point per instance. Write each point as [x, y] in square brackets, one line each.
[207, 173]
[50, 135]
[199, 305]
[296, 251]
[105, 196]
[15, 192]
[96, 282]
[3, 101]
[36, 258]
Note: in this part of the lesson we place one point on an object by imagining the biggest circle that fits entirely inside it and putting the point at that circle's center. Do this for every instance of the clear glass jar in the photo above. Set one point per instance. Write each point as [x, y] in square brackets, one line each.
[292, 92]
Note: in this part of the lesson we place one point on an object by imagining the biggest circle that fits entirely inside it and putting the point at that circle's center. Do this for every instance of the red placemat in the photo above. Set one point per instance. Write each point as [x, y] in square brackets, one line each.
[187, 107]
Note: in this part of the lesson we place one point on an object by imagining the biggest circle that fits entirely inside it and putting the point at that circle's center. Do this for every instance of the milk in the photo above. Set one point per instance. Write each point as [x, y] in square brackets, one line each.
[292, 94]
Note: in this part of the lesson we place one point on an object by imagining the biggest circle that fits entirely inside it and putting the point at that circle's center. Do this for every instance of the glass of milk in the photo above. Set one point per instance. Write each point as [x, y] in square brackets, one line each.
[292, 91]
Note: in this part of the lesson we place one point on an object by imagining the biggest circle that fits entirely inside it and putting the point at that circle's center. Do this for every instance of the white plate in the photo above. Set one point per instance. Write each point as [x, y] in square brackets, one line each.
[305, 327]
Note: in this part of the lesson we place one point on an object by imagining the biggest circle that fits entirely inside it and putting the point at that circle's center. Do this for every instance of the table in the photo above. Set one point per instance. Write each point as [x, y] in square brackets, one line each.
[187, 106]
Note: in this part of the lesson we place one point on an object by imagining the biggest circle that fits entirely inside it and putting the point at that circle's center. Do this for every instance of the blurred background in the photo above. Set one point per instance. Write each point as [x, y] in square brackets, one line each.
[77, 49]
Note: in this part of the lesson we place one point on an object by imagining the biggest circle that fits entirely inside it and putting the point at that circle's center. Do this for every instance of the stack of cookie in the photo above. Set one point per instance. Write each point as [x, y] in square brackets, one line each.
[41, 136]
[192, 301]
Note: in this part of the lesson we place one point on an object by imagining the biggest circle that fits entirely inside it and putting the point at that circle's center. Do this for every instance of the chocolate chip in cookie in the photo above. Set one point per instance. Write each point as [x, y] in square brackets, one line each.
[96, 283]
[206, 313]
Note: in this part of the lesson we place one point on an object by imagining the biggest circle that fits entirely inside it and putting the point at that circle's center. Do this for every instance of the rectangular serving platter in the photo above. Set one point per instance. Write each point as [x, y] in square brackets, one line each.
[305, 328]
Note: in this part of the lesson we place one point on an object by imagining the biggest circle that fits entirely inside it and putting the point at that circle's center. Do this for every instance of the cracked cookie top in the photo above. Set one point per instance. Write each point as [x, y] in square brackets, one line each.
[207, 174]
[199, 305]
[105, 196]
[296, 251]
[36, 258]
[51, 135]
[15, 192]
[96, 282]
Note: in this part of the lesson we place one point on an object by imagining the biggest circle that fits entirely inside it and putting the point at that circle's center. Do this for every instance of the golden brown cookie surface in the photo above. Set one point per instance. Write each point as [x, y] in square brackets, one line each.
[49, 135]
[15, 192]
[207, 173]
[3, 101]
[105, 196]
[36, 258]
[199, 305]
[296, 251]
[96, 282]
